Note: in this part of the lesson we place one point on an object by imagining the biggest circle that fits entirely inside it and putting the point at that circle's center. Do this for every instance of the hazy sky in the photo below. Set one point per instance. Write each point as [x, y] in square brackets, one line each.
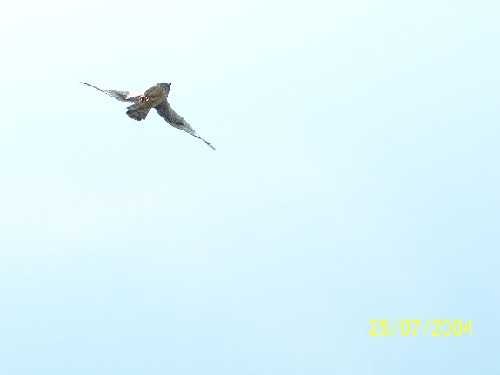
[356, 177]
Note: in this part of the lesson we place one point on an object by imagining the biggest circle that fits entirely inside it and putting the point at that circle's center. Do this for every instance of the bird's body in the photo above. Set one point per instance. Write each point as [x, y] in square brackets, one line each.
[154, 97]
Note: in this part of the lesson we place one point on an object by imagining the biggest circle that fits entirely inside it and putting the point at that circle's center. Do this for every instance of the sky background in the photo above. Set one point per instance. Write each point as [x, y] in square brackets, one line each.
[356, 177]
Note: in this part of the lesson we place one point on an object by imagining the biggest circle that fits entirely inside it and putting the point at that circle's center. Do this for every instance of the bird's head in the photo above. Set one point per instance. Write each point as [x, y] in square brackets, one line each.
[165, 87]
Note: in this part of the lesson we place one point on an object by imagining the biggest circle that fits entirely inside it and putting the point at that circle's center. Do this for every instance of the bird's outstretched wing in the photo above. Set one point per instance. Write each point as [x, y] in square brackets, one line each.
[165, 110]
[123, 96]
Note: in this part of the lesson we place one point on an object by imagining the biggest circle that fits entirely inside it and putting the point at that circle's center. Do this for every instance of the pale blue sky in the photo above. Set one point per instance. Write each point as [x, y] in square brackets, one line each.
[356, 177]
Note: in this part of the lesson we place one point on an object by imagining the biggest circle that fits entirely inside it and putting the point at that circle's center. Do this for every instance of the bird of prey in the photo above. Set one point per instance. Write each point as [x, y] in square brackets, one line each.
[154, 97]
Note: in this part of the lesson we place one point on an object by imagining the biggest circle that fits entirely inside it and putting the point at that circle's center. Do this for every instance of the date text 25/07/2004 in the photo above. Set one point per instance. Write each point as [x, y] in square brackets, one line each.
[447, 327]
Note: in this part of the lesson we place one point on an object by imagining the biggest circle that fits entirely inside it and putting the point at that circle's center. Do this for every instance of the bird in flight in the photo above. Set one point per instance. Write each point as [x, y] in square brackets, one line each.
[154, 97]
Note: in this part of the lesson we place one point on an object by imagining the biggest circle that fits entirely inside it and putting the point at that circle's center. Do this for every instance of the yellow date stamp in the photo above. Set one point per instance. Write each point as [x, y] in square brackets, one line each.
[413, 327]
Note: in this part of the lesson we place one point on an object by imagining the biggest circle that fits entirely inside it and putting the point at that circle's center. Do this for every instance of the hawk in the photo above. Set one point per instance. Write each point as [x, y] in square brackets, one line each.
[154, 97]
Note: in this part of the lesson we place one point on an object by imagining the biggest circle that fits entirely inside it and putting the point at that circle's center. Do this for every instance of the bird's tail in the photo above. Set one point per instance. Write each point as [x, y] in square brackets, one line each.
[137, 112]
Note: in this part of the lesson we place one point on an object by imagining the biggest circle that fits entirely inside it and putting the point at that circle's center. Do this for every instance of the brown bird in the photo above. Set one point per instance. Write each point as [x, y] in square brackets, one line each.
[154, 97]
